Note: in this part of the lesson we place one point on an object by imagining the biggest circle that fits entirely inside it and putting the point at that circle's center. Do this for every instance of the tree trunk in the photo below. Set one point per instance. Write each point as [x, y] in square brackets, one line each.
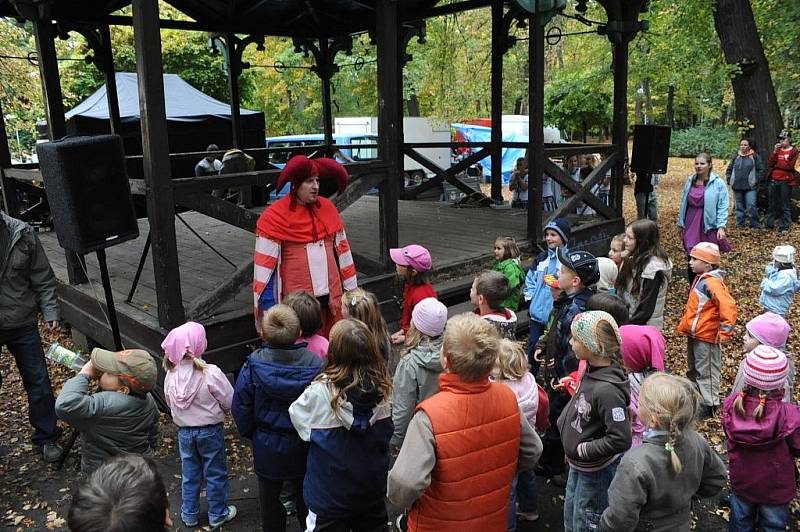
[648, 101]
[752, 86]
[671, 106]
[412, 105]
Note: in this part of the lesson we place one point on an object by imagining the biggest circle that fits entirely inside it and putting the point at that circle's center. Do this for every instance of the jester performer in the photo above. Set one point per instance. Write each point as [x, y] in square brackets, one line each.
[301, 243]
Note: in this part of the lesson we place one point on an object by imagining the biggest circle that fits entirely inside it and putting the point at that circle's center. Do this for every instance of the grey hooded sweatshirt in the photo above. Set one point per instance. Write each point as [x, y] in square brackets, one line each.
[415, 379]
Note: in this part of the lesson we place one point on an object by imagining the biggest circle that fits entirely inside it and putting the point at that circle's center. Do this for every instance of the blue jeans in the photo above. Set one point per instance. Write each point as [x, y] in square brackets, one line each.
[25, 345]
[780, 204]
[525, 491]
[746, 202]
[535, 331]
[586, 498]
[748, 517]
[203, 455]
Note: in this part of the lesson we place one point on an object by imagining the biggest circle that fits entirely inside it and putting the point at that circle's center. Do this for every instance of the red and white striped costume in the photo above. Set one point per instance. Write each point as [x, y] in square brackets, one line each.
[302, 247]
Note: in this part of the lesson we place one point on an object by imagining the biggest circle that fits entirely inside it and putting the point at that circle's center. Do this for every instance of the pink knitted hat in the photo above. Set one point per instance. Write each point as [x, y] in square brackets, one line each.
[765, 368]
[769, 329]
[429, 317]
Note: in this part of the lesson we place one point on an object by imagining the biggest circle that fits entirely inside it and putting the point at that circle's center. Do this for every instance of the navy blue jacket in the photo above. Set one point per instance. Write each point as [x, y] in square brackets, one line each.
[571, 306]
[269, 382]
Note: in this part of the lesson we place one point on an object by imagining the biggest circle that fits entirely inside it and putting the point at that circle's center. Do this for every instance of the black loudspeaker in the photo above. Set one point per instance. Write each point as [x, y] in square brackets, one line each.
[88, 191]
[650, 149]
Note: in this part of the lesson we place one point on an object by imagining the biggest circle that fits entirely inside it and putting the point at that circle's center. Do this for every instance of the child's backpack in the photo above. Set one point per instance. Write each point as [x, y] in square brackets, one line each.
[542, 421]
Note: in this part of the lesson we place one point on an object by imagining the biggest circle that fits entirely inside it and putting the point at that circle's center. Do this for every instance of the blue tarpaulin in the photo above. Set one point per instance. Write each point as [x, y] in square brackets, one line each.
[472, 133]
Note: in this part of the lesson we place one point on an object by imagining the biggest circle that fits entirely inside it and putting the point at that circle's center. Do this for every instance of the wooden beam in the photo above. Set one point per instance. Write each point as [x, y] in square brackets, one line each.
[584, 193]
[460, 185]
[357, 188]
[536, 155]
[565, 180]
[219, 209]
[204, 305]
[390, 121]
[438, 178]
[498, 48]
[619, 127]
[155, 147]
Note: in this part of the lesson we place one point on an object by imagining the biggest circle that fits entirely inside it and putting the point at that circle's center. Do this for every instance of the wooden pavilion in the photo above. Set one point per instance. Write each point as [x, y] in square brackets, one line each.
[183, 280]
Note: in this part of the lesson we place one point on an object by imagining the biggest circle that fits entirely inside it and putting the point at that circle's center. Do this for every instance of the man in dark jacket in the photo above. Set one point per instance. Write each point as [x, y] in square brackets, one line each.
[28, 286]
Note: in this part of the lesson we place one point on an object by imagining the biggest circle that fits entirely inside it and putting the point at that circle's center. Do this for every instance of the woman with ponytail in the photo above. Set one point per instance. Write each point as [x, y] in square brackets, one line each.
[763, 442]
[656, 482]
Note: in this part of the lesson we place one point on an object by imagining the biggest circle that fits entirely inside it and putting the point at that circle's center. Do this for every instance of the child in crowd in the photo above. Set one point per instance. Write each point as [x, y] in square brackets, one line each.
[413, 263]
[309, 312]
[645, 274]
[536, 292]
[594, 426]
[451, 458]
[271, 378]
[579, 270]
[125, 494]
[708, 320]
[511, 369]
[763, 442]
[361, 305]
[198, 395]
[780, 283]
[656, 482]
[122, 418]
[617, 250]
[771, 330]
[417, 375]
[643, 349]
[506, 252]
[489, 290]
[608, 275]
[346, 415]
[518, 185]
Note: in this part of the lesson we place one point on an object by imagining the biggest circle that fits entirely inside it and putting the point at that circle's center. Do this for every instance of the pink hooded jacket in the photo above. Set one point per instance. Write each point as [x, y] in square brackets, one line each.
[197, 397]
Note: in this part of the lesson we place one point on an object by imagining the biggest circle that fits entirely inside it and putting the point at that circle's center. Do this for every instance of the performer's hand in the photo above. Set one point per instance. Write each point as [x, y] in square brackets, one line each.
[89, 370]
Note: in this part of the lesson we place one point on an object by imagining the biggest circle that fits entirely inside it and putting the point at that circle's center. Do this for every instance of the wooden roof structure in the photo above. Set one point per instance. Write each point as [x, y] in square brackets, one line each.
[322, 28]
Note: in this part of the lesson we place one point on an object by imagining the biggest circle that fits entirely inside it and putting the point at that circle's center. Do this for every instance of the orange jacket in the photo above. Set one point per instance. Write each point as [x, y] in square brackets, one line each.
[476, 426]
[710, 314]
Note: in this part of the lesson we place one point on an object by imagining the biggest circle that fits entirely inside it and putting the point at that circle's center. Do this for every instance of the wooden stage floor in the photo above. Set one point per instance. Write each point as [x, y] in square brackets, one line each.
[453, 235]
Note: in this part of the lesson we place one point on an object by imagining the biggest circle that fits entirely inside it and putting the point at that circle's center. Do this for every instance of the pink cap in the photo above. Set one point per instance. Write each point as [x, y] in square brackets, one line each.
[412, 255]
[429, 317]
[769, 329]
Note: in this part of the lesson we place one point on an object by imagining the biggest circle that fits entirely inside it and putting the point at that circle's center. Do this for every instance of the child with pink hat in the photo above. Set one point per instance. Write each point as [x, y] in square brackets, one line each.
[771, 330]
[763, 441]
[417, 375]
[413, 262]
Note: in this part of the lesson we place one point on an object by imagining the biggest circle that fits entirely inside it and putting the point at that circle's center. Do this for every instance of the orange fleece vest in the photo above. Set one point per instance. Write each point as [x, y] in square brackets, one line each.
[476, 427]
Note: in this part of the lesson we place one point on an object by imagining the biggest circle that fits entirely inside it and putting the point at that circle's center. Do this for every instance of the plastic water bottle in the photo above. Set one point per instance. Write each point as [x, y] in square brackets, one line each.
[64, 356]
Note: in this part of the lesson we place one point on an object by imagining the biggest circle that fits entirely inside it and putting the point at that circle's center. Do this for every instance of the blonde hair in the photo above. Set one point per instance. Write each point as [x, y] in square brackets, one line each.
[509, 247]
[280, 325]
[198, 362]
[758, 411]
[354, 358]
[619, 238]
[363, 306]
[470, 346]
[512, 361]
[414, 338]
[608, 340]
[672, 402]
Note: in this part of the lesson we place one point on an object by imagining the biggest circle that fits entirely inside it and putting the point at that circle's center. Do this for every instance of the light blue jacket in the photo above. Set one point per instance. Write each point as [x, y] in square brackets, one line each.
[535, 291]
[715, 206]
[778, 289]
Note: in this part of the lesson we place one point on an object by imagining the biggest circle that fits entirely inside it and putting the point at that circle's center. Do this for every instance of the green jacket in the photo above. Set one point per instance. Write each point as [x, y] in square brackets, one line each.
[513, 271]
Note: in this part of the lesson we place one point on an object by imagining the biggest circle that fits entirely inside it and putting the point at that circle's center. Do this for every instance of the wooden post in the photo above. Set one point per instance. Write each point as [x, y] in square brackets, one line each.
[498, 38]
[56, 123]
[389, 123]
[535, 126]
[111, 81]
[234, 69]
[325, 78]
[155, 149]
[619, 128]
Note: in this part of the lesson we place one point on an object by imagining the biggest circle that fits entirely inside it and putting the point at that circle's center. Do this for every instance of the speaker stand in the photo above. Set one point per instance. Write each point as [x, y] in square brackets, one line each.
[112, 311]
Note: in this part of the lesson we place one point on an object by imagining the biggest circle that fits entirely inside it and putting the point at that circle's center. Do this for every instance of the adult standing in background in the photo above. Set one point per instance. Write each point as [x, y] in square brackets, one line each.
[744, 173]
[301, 243]
[782, 177]
[704, 208]
[210, 164]
[27, 286]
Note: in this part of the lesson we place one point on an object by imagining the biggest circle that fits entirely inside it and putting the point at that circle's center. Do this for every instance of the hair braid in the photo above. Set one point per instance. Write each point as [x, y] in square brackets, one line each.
[738, 403]
[762, 401]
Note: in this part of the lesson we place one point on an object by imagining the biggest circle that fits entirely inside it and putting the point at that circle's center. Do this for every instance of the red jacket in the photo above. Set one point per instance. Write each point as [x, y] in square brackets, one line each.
[413, 294]
[781, 164]
[476, 426]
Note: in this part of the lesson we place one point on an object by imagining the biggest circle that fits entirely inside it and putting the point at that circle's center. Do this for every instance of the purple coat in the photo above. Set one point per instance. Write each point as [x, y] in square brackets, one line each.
[761, 453]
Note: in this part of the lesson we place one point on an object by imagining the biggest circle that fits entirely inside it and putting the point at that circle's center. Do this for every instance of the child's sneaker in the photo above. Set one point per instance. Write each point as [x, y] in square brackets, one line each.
[527, 516]
[229, 517]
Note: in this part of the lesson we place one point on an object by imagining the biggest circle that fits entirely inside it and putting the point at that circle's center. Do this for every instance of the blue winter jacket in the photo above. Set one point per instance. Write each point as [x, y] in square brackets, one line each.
[573, 304]
[778, 289]
[715, 206]
[348, 461]
[535, 291]
[269, 382]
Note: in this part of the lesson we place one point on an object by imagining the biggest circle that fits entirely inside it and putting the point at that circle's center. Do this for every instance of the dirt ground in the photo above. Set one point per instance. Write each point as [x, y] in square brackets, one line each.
[34, 496]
